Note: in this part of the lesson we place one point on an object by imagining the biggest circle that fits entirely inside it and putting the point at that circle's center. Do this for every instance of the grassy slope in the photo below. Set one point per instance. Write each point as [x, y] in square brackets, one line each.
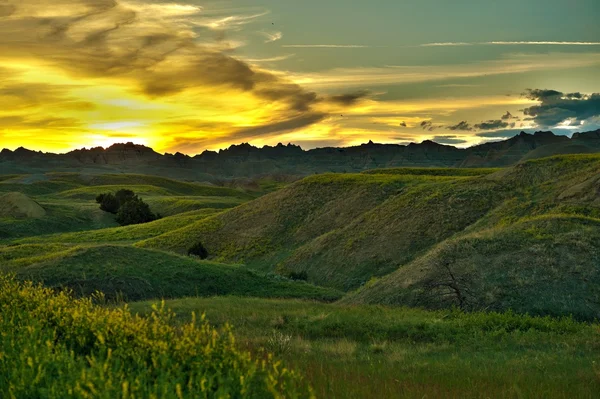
[536, 252]
[68, 199]
[345, 229]
[378, 352]
[133, 273]
[124, 234]
[264, 231]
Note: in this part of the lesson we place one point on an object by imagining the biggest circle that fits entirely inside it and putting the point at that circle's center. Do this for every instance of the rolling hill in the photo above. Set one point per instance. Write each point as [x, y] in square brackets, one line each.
[531, 228]
[128, 273]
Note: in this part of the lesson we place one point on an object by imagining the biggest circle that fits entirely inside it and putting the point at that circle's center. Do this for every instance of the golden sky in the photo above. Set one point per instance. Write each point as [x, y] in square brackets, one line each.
[189, 76]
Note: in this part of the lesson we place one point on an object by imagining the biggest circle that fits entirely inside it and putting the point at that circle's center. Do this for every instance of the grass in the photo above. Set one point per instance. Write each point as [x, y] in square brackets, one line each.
[545, 265]
[128, 273]
[376, 352]
[125, 234]
[53, 346]
[69, 200]
[434, 171]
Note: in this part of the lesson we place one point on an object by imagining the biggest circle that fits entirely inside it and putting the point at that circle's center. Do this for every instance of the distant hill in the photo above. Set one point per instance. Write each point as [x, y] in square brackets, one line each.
[245, 160]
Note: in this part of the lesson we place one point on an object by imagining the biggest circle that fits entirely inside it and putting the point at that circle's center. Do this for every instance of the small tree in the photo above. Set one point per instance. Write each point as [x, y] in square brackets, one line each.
[134, 211]
[299, 275]
[108, 203]
[198, 250]
[124, 195]
[100, 198]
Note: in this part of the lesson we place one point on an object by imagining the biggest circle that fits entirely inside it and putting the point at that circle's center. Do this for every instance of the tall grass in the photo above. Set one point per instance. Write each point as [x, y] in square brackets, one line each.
[54, 346]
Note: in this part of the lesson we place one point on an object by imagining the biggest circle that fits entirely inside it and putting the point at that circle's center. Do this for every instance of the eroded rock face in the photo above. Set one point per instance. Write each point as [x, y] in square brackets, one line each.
[18, 205]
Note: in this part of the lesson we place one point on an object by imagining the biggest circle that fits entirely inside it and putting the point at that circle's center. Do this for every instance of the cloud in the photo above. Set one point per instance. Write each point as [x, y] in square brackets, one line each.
[492, 124]
[324, 46]
[556, 107]
[277, 127]
[350, 98]
[510, 43]
[410, 74]
[111, 39]
[508, 116]
[448, 140]
[272, 36]
[463, 125]
[428, 125]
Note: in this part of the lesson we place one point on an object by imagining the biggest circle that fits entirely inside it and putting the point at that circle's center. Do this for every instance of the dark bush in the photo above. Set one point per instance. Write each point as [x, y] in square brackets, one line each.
[124, 195]
[198, 250]
[134, 211]
[100, 198]
[109, 203]
[298, 275]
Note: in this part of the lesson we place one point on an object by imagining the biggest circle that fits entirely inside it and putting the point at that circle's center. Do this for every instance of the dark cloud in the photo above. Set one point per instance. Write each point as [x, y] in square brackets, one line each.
[428, 125]
[275, 127]
[492, 124]
[556, 107]
[463, 125]
[20, 122]
[448, 140]
[350, 98]
[508, 116]
[108, 39]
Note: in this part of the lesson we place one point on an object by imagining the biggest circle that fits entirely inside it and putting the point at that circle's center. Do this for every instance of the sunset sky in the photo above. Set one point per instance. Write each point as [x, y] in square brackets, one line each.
[193, 75]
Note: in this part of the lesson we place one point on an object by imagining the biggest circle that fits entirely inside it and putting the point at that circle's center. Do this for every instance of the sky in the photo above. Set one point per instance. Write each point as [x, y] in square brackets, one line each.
[193, 75]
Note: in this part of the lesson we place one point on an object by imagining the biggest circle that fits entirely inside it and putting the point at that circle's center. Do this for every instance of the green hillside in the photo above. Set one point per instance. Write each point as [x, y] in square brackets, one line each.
[128, 273]
[67, 200]
[345, 229]
[549, 265]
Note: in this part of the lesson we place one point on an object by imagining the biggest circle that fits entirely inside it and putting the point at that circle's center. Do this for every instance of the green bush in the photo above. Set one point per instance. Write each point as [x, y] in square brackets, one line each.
[124, 196]
[54, 346]
[303, 275]
[134, 211]
[108, 203]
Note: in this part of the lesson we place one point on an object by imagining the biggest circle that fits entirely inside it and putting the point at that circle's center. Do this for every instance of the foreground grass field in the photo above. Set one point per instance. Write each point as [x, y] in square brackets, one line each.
[52, 346]
[379, 352]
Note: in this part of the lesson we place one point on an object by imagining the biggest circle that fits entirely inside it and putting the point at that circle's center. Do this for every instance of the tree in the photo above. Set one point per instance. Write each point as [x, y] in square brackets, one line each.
[124, 195]
[198, 250]
[108, 203]
[134, 211]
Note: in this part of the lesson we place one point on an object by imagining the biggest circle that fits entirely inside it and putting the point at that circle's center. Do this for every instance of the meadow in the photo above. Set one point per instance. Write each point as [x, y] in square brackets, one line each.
[401, 282]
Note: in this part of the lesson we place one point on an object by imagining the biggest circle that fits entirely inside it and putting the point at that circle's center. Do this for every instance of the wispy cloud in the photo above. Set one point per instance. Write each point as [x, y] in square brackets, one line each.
[509, 43]
[325, 46]
[270, 59]
[510, 64]
[272, 36]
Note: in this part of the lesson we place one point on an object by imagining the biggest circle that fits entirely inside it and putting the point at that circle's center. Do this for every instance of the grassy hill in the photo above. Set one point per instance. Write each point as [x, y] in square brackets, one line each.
[128, 273]
[345, 229]
[67, 200]
[548, 265]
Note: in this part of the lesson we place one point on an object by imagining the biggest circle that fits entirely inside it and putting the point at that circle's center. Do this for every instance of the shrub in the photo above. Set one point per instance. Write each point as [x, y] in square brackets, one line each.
[124, 196]
[109, 203]
[54, 346]
[134, 211]
[198, 250]
[298, 275]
